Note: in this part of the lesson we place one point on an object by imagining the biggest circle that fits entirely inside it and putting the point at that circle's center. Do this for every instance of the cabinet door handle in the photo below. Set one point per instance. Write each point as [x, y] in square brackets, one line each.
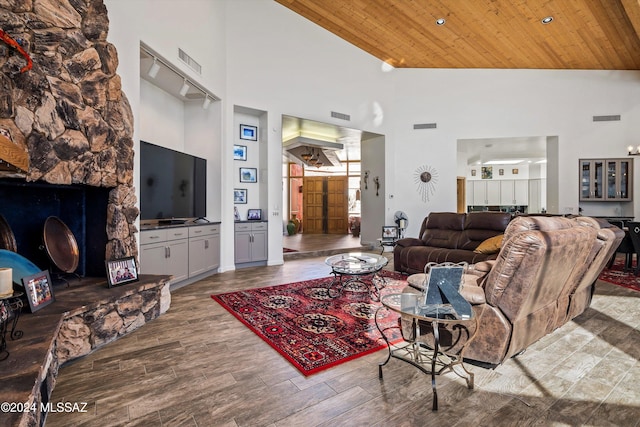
[206, 244]
[169, 252]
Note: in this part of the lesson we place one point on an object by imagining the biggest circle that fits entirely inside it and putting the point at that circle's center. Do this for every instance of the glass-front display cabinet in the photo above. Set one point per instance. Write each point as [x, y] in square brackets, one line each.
[606, 180]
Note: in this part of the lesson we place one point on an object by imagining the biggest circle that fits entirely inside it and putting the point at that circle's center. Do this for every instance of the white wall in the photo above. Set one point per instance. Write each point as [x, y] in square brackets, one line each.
[258, 54]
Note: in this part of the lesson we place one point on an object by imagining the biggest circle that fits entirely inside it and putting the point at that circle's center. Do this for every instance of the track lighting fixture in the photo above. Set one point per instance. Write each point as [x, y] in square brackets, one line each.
[185, 88]
[153, 70]
[207, 102]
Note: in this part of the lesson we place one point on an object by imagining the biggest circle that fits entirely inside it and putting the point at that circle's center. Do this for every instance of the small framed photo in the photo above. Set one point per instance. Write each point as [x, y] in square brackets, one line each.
[249, 133]
[389, 233]
[39, 290]
[514, 171]
[487, 172]
[240, 195]
[240, 152]
[248, 175]
[500, 171]
[254, 214]
[121, 271]
[473, 172]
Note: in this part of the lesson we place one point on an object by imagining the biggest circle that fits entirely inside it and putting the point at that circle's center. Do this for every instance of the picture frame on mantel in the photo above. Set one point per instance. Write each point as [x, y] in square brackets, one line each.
[121, 271]
[39, 290]
[248, 132]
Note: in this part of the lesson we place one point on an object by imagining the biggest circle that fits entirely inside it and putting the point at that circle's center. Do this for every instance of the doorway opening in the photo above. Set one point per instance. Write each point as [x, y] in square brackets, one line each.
[321, 186]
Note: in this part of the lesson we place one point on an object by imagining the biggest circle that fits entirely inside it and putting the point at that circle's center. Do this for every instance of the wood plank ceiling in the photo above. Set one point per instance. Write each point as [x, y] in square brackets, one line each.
[584, 34]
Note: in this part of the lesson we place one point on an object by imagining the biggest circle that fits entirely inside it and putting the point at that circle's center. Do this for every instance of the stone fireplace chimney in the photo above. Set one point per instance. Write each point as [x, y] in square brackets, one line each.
[69, 122]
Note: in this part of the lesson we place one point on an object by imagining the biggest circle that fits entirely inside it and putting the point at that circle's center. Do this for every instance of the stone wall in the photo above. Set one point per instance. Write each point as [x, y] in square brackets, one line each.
[69, 111]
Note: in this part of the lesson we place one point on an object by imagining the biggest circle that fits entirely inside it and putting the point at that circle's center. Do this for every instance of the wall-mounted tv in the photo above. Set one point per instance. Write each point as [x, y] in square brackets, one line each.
[173, 185]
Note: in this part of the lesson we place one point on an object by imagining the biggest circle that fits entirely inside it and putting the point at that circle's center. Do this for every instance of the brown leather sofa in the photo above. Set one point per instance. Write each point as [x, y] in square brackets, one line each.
[449, 237]
[543, 277]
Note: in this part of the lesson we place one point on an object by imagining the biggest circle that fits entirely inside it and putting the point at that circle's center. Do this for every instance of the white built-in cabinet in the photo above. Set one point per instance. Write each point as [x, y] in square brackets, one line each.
[182, 252]
[486, 192]
[498, 192]
[250, 242]
[514, 192]
[204, 249]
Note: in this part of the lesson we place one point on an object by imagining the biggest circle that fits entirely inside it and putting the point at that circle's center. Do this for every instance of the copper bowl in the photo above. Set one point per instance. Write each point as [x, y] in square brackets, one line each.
[61, 245]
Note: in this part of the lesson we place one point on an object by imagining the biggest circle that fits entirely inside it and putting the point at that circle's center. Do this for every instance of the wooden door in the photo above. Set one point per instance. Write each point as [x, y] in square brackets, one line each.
[312, 199]
[461, 195]
[337, 205]
[326, 205]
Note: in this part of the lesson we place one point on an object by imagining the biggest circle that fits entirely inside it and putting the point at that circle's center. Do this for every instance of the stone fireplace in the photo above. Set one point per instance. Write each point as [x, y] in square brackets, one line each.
[70, 118]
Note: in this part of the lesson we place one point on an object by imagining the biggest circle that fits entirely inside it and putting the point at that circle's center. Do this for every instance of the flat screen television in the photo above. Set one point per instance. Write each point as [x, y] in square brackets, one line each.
[173, 185]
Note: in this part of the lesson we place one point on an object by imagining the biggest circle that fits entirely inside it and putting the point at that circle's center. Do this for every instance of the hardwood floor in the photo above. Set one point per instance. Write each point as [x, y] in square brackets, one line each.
[197, 365]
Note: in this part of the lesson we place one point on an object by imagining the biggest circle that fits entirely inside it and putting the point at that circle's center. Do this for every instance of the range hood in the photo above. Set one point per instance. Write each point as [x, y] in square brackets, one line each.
[324, 153]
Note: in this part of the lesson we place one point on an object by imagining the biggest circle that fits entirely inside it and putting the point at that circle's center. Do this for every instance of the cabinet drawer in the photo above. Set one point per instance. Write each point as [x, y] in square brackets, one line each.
[257, 226]
[205, 230]
[177, 233]
[152, 236]
[243, 226]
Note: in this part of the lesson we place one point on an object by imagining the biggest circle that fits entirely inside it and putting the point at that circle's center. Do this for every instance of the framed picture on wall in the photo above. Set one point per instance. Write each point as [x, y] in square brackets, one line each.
[248, 175]
[239, 195]
[487, 172]
[240, 152]
[248, 132]
[514, 171]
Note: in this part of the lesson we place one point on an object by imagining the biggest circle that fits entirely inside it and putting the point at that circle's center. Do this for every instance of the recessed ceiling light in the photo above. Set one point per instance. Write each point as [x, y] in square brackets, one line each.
[440, 21]
[547, 20]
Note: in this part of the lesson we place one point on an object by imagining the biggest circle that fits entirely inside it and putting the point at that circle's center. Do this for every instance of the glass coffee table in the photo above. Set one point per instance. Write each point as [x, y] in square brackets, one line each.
[442, 353]
[355, 268]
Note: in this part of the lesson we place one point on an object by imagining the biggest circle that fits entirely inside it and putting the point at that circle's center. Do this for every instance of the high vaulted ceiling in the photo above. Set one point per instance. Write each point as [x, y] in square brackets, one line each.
[584, 34]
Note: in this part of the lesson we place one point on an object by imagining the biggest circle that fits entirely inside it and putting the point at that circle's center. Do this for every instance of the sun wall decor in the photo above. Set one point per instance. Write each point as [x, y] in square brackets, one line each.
[426, 178]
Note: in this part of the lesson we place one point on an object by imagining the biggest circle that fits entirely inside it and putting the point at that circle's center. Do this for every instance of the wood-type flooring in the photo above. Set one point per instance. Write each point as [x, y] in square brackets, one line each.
[197, 365]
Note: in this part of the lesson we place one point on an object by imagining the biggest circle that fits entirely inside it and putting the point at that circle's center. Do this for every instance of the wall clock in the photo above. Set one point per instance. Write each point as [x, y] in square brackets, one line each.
[426, 178]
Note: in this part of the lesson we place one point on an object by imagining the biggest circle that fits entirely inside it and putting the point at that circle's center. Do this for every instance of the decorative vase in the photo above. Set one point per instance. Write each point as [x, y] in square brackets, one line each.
[296, 221]
[291, 227]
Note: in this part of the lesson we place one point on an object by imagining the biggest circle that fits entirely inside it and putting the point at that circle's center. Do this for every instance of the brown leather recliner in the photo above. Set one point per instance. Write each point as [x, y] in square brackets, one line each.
[541, 268]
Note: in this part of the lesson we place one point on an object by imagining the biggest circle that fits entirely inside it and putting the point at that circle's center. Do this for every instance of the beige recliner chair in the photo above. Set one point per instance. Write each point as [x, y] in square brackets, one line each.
[538, 282]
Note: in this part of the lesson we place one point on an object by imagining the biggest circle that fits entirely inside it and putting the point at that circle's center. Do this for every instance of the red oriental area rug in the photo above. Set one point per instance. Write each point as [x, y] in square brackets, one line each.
[312, 330]
[618, 276]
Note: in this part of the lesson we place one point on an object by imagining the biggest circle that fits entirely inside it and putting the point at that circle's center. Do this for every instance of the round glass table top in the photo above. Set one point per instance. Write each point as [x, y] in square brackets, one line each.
[356, 263]
[412, 305]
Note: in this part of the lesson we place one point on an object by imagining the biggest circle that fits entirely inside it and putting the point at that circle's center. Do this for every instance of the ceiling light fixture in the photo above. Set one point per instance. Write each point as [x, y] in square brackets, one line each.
[547, 20]
[503, 162]
[632, 151]
[185, 88]
[207, 102]
[440, 21]
[153, 70]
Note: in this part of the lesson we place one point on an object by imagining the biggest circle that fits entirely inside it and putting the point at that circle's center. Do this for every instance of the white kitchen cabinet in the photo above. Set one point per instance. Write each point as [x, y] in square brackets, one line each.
[514, 192]
[486, 192]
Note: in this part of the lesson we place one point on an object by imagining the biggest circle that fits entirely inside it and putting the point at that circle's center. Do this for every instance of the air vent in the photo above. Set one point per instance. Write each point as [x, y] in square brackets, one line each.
[606, 118]
[425, 126]
[190, 61]
[340, 116]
